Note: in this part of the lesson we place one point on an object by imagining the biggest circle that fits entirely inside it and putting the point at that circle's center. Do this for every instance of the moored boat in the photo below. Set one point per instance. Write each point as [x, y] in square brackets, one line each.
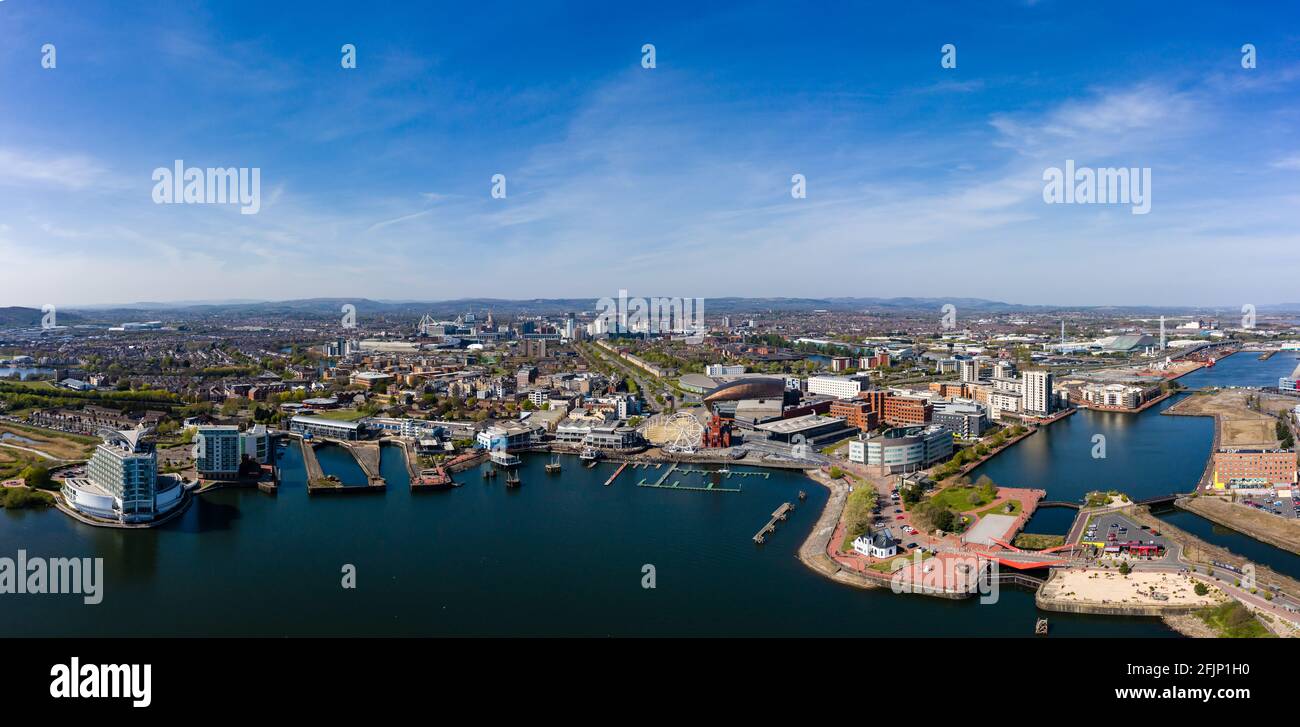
[502, 458]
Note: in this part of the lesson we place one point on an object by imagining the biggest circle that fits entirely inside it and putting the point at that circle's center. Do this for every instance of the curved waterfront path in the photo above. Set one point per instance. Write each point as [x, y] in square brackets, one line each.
[814, 550]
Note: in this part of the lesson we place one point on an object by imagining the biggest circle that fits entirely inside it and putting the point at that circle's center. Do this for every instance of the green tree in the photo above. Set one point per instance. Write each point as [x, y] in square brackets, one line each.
[37, 476]
[942, 519]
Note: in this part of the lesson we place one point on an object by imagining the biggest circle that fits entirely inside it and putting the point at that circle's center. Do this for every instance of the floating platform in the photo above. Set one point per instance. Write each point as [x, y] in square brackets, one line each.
[662, 482]
[727, 473]
[677, 485]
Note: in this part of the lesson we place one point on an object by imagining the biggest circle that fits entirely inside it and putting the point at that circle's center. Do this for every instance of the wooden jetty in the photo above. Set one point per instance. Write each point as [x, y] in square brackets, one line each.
[614, 476]
[781, 513]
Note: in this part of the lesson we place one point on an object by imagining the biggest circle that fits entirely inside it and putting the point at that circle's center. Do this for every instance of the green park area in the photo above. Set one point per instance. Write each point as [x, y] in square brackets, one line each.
[892, 564]
[24, 448]
[1233, 621]
[964, 498]
[1010, 507]
[21, 498]
[857, 514]
[942, 510]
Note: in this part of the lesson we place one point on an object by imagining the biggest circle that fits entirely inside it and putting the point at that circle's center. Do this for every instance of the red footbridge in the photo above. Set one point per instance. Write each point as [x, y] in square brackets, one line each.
[1014, 557]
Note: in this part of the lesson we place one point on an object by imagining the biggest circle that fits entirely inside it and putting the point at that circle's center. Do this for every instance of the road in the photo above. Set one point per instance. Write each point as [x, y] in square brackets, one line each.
[648, 389]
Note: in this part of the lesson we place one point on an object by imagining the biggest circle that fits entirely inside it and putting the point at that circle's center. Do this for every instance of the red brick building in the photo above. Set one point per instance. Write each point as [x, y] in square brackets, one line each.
[1254, 467]
[855, 413]
[896, 410]
[906, 411]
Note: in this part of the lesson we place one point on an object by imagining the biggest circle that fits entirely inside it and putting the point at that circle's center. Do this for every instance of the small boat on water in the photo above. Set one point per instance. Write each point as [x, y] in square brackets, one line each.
[489, 472]
[1040, 627]
[512, 479]
[803, 495]
[502, 458]
[589, 454]
[553, 467]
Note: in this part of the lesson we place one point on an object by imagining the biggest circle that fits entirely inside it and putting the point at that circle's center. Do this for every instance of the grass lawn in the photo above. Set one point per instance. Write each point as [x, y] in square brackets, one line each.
[38, 384]
[343, 415]
[1031, 541]
[959, 498]
[885, 566]
[999, 509]
[837, 446]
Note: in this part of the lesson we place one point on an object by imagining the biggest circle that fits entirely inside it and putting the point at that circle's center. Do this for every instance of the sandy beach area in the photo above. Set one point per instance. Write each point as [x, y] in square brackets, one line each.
[1137, 588]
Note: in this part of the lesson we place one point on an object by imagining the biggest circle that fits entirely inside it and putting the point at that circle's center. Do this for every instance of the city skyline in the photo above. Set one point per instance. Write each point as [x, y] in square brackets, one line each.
[737, 305]
[649, 179]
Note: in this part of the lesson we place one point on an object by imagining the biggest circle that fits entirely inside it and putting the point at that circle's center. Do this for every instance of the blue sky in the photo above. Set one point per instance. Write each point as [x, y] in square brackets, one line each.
[675, 180]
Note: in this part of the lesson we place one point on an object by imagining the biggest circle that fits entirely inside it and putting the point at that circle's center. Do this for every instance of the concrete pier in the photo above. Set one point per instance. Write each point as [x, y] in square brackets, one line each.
[314, 471]
[367, 457]
[781, 513]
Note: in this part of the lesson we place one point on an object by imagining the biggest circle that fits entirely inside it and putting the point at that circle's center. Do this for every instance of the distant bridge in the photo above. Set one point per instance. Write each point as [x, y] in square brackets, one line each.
[1059, 503]
[1159, 499]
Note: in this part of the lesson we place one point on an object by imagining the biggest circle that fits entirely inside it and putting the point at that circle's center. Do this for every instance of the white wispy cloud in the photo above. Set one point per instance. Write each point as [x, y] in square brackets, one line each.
[60, 170]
